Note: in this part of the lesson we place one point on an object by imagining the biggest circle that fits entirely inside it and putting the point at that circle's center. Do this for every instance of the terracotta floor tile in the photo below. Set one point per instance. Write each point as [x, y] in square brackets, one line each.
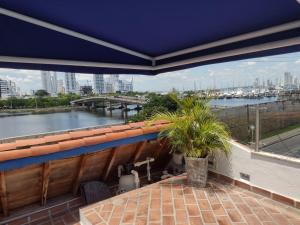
[196, 221]
[280, 219]
[208, 217]
[155, 203]
[154, 215]
[269, 223]
[236, 198]
[141, 221]
[193, 210]
[142, 210]
[218, 209]
[295, 221]
[179, 204]
[234, 215]
[244, 209]
[118, 211]
[168, 220]
[131, 206]
[253, 220]
[204, 205]
[223, 220]
[252, 202]
[228, 205]
[190, 199]
[107, 207]
[262, 215]
[167, 209]
[115, 221]
[178, 194]
[181, 217]
[94, 218]
[128, 217]
[200, 194]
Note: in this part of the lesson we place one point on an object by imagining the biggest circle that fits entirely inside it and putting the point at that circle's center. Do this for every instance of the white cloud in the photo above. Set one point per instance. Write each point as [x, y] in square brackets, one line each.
[297, 61]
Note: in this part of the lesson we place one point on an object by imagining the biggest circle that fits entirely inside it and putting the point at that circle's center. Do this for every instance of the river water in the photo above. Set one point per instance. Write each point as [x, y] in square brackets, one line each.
[13, 126]
[240, 101]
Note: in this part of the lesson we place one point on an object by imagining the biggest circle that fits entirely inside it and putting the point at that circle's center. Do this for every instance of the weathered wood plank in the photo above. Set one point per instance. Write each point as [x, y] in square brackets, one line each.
[110, 163]
[45, 182]
[139, 149]
[80, 172]
[3, 194]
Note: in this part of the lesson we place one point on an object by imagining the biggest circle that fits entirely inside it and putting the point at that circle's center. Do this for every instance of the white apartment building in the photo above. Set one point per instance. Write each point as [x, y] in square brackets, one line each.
[7, 88]
[70, 83]
[99, 86]
[49, 82]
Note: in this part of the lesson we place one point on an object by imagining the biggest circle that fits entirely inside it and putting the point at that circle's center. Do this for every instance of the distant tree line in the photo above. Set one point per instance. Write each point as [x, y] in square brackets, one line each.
[40, 100]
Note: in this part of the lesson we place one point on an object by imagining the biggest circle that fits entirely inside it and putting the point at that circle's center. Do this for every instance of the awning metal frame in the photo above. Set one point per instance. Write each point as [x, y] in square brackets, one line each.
[154, 67]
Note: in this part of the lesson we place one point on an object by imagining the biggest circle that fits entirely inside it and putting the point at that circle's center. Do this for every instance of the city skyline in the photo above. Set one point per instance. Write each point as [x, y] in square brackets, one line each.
[223, 75]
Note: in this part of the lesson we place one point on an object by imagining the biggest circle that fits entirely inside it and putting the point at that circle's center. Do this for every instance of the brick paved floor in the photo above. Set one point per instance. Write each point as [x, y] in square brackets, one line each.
[173, 202]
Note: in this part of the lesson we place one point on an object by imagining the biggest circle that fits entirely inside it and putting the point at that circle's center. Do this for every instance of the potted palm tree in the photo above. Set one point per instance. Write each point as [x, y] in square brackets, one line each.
[194, 131]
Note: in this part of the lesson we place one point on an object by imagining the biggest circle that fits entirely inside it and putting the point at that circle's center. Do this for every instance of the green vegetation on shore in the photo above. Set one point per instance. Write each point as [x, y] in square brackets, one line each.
[155, 103]
[39, 101]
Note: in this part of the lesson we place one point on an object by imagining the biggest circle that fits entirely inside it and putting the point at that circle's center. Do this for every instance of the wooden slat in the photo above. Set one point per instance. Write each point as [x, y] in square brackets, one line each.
[3, 194]
[162, 144]
[77, 181]
[45, 182]
[139, 149]
[110, 163]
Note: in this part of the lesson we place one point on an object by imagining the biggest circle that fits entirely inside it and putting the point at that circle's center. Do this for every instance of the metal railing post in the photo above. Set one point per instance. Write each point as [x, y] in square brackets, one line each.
[257, 130]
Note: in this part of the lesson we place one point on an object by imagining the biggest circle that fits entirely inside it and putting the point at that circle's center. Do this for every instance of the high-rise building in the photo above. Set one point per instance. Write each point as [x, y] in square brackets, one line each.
[60, 86]
[49, 82]
[288, 79]
[70, 83]
[99, 83]
[7, 88]
[112, 84]
[125, 86]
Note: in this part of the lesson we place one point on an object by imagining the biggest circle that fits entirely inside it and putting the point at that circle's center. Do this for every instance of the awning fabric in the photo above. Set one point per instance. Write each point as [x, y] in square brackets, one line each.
[143, 37]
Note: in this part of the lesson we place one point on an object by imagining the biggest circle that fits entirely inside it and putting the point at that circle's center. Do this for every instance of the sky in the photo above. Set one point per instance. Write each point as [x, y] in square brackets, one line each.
[223, 75]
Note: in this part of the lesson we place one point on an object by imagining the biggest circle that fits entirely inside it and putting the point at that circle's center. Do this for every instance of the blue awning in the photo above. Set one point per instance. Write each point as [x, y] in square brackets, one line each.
[143, 37]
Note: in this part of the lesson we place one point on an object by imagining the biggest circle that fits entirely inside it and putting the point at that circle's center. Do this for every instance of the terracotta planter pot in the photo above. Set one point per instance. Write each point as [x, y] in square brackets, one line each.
[196, 169]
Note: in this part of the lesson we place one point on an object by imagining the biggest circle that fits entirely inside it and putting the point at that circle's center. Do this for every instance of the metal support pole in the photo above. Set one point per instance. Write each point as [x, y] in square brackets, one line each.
[257, 129]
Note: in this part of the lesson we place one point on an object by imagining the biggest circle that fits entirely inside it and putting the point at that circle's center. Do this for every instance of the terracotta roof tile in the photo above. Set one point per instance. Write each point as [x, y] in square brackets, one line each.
[67, 145]
[57, 138]
[161, 126]
[81, 133]
[137, 124]
[150, 129]
[7, 146]
[115, 136]
[29, 142]
[7, 151]
[135, 132]
[44, 149]
[95, 140]
[120, 128]
[160, 122]
[15, 154]
[102, 131]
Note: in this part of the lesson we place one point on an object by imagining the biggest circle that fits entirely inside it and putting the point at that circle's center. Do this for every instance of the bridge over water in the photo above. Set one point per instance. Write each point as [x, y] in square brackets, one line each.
[108, 101]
